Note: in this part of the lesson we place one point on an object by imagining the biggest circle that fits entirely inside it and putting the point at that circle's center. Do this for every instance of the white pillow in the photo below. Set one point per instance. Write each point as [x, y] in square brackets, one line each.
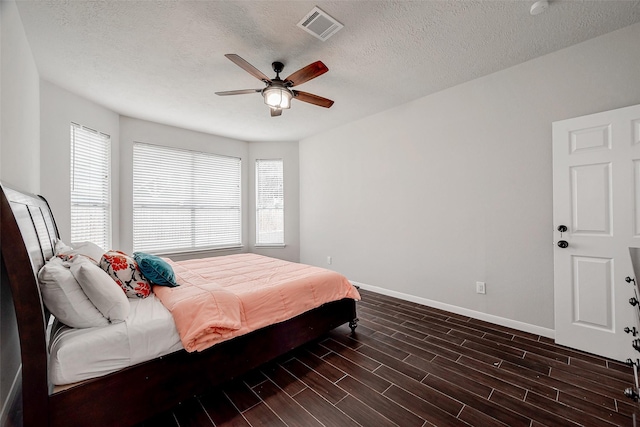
[87, 249]
[64, 297]
[103, 292]
[61, 247]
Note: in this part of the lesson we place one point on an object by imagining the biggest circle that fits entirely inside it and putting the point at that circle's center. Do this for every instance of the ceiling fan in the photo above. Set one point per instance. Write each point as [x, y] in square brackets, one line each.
[277, 93]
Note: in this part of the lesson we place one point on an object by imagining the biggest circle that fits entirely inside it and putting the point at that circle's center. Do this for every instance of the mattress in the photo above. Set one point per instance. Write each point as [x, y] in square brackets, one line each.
[79, 354]
[267, 290]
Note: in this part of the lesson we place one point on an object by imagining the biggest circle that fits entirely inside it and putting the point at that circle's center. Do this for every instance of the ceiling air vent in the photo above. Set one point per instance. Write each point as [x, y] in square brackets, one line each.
[319, 24]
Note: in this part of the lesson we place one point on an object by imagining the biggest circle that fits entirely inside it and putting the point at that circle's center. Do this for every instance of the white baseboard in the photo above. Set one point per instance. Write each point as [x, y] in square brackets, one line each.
[11, 397]
[503, 321]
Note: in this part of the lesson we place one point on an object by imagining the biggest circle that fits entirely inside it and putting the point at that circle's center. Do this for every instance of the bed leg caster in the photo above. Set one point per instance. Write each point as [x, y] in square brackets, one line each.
[353, 324]
[631, 394]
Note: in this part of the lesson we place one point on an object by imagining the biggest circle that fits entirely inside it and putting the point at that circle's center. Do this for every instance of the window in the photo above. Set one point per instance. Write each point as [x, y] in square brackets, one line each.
[269, 203]
[90, 186]
[185, 200]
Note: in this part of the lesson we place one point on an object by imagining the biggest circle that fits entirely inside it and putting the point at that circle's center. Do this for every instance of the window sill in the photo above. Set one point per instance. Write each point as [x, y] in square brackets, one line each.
[198, 251]
[270, 246]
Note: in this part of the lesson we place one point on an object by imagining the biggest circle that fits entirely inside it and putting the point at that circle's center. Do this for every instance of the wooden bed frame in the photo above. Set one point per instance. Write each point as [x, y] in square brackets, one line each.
[133, 394]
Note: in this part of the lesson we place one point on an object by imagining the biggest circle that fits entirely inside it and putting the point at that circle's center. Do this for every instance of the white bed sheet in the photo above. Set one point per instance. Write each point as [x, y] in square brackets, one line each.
[80, 354]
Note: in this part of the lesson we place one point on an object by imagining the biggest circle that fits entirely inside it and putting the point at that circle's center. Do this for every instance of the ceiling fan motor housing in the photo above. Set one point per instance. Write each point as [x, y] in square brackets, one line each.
[277, 67]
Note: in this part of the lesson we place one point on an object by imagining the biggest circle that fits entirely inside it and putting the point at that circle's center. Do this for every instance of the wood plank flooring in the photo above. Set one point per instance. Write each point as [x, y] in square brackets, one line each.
[412, 365]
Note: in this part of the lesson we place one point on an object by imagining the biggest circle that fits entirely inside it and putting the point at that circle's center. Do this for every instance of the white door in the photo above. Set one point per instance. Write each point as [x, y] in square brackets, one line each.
[596, 195]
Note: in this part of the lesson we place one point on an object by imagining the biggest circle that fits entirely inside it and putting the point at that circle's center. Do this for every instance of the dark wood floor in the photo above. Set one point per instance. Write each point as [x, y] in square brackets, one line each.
[411, 365]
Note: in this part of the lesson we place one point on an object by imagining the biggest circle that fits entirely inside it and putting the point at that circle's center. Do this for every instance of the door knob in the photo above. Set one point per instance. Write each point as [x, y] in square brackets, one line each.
[562, 228]
[563, 244]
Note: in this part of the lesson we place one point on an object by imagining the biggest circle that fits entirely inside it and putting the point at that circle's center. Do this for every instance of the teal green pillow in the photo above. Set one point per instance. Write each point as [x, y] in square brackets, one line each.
[155, 269]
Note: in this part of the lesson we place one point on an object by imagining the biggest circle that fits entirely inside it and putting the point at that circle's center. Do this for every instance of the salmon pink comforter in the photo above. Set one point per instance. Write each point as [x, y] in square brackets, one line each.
[223, 297]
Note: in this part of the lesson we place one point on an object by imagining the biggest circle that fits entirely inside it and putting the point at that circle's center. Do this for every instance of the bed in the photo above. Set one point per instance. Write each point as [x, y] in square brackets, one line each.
[135, 393]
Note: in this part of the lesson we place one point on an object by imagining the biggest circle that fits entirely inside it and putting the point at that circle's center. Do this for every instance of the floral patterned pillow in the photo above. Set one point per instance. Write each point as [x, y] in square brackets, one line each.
[123, 269]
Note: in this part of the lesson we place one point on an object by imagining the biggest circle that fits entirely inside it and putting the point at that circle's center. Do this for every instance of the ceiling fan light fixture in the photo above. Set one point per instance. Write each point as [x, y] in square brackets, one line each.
[277, 97]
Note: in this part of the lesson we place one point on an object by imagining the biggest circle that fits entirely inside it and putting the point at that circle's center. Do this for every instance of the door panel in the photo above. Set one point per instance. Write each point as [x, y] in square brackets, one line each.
[593, 292]
[598, 137]
[591, 199]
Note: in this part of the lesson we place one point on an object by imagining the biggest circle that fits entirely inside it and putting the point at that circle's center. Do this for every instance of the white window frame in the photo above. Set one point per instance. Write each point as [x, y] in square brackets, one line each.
[185, 201]
[276, 203]
[90, 186]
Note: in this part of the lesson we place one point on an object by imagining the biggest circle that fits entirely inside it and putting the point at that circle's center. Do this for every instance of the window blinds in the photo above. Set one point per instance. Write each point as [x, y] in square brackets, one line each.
[269, 202]
[90, 186]
[185, 200]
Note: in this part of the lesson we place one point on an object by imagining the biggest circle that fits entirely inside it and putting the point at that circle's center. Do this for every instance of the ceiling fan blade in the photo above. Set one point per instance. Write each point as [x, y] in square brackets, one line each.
[307, 73]
[238, 92]
[276, 112]
[312, 99]
[248, 67]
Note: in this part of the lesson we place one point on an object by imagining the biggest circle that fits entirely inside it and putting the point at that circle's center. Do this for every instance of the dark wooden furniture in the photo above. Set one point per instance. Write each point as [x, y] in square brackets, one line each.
[134, 394]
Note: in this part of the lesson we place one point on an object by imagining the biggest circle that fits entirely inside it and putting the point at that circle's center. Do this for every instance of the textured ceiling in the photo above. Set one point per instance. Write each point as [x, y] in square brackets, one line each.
[163, 60]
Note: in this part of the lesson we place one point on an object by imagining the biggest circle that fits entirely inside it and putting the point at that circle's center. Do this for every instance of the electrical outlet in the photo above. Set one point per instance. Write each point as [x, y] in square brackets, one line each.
[329, 260]
[481, 288]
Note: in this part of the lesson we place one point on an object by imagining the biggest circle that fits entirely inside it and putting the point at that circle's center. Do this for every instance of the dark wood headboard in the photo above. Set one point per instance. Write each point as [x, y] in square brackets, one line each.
[28, 236]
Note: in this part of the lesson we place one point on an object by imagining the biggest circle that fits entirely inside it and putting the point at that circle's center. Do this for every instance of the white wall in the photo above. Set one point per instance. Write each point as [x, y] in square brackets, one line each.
[428, 198]
[135, 130]
[58, 108]
[20, 129]
[19, 166]
[288, 152]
